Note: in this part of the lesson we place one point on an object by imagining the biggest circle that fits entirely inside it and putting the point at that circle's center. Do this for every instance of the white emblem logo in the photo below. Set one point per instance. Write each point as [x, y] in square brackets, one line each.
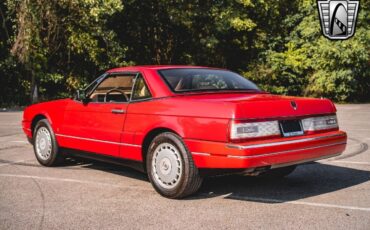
[338, 18]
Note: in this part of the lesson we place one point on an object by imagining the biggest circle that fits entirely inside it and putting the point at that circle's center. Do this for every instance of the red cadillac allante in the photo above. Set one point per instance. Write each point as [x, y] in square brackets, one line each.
[179, 123]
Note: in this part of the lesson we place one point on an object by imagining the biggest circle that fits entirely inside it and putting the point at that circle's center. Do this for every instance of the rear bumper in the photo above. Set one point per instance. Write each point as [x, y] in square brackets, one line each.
[274, 153]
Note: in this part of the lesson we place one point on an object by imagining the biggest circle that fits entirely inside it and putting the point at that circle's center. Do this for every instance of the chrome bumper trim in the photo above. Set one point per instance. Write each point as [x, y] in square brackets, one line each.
[286, 151]
[200, 154]
[283, 142]
[97, 140]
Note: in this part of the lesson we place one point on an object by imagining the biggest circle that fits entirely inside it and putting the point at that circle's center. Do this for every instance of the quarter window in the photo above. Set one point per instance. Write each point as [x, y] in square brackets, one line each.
[141, 90]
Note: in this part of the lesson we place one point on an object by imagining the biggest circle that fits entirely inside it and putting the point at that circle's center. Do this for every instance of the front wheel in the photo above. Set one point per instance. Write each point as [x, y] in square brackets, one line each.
[170, 167]
[45, 145]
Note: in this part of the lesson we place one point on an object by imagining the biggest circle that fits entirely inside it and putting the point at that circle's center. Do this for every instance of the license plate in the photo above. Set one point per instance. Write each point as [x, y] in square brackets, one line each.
[291, 128]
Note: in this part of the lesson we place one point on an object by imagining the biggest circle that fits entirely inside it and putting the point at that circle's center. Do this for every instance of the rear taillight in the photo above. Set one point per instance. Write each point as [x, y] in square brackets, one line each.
[244, 130]
[241, 130]
[320, 123]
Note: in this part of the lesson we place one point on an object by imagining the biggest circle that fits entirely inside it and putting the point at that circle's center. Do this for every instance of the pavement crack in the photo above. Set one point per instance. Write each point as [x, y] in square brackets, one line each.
[42, 196]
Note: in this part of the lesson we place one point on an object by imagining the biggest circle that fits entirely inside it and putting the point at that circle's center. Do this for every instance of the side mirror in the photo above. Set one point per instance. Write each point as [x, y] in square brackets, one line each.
[81, 96]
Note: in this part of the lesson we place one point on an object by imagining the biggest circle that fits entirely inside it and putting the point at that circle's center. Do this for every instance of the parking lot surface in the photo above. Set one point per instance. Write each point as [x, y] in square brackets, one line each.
[83, 194]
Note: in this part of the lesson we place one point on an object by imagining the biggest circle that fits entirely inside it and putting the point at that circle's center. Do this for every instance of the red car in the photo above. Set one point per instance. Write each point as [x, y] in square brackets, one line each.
[179, 123]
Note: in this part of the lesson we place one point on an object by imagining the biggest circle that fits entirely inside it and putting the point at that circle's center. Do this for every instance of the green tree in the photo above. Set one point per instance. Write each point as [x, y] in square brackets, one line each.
[312, 65]
[62, 43]
[12, 87]
[214, 33]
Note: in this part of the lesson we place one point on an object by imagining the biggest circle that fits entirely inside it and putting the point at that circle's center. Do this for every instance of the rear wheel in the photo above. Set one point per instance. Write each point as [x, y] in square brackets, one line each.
[279, 172]
[45, 145]
[170, 167]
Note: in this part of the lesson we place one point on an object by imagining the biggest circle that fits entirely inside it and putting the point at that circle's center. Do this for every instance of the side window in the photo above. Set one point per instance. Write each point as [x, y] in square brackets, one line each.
[114, 88]
[141, 90]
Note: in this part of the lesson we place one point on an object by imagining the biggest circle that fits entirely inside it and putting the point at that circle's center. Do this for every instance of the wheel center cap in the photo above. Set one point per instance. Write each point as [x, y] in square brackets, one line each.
[165, 166]
[42, 143]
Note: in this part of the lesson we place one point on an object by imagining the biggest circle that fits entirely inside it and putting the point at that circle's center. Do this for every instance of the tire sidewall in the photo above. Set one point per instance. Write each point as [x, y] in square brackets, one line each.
[184, 153]
[54, 148]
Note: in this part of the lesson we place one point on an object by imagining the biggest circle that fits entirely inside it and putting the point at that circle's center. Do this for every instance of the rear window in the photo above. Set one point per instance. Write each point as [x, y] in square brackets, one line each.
[193, 79]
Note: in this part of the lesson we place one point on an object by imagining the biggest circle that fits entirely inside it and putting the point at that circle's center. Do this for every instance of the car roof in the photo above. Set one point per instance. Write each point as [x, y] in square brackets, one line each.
[156, 67]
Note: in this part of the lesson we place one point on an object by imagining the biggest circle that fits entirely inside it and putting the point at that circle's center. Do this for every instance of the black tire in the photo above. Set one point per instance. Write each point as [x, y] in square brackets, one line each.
[279, 172]
[54, 156]
[188, 181]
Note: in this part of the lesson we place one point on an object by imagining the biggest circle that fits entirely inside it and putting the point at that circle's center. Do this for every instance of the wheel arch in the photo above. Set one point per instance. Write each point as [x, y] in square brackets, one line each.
[36, 119]
[148, 139]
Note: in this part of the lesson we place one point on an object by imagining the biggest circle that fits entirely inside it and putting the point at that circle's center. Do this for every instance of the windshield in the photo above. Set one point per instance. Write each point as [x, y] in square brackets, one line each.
[193, 79]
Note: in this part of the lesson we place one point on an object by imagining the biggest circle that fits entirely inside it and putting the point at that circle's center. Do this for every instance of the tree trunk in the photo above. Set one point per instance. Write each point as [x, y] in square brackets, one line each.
[34, 90]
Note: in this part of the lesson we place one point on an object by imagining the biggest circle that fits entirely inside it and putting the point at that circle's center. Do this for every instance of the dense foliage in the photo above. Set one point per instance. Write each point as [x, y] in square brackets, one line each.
[55, 46]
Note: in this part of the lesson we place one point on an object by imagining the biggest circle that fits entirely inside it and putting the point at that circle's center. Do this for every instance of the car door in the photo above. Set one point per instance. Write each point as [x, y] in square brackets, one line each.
[135, 122]
[96, 125]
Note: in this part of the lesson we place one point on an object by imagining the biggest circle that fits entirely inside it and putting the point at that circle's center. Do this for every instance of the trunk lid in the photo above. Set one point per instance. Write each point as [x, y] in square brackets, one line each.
[267, 106]
[274, 106]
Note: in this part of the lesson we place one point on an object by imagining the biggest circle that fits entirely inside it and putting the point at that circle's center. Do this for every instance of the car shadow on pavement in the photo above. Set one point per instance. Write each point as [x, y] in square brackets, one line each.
[306, 181]
[76, 163]
[84, 163]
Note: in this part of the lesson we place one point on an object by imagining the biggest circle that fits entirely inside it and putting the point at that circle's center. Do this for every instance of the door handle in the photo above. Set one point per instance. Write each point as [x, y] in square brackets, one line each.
[118, 111]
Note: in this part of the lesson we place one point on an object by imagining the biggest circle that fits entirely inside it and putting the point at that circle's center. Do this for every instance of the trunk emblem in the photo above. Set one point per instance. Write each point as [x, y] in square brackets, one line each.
[294, 105]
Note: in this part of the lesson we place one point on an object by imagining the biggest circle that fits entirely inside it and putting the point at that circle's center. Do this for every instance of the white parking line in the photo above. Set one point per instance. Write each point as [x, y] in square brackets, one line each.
[353, 162]
[267, 200]
[359, 129]
[349, 162]
[66, 180]
[19, 141]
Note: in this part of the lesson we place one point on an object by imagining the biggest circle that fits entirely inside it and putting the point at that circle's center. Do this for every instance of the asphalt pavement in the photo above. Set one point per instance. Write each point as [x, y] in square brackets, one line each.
[84, 194]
